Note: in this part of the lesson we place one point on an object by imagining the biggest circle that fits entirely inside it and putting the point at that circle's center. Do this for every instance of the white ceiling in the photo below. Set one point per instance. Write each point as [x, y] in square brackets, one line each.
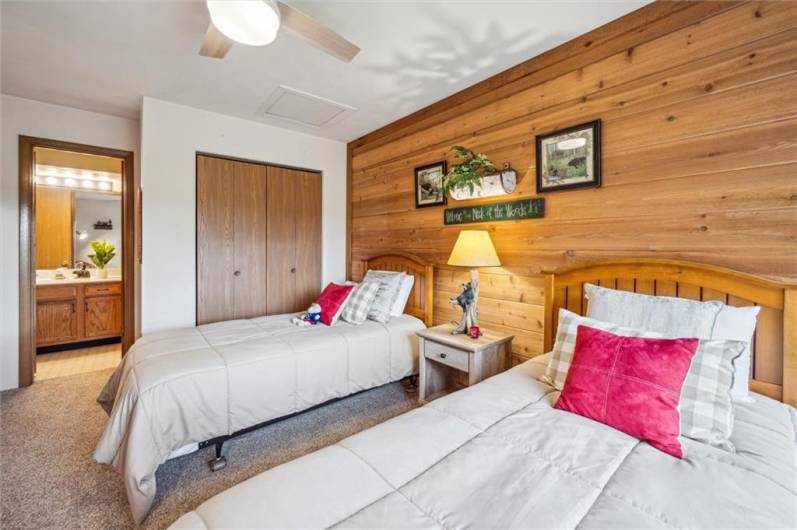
[104, 56]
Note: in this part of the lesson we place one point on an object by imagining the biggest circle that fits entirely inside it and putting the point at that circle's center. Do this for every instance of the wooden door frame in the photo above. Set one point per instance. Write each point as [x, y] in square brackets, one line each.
[27, 245]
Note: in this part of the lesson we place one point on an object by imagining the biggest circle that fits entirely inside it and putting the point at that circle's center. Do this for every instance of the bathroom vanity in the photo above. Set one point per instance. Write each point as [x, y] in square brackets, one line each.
[76, 310]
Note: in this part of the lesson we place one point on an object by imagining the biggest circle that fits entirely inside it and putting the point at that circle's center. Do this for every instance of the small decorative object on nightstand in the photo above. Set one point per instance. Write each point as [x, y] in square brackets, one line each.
[473, 248]
[449, 362]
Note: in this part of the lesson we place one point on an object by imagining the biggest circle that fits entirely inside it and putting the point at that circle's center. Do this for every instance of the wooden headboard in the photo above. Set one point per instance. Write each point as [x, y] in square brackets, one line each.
[421, 301]
[774, 348]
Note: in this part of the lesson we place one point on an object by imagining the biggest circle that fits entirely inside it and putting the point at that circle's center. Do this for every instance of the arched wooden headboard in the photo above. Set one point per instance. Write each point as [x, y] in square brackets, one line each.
[421, 301]
[774, 364]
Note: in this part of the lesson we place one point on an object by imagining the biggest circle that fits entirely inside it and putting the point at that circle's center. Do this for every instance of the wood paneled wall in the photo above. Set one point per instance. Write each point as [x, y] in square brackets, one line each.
[699, 109]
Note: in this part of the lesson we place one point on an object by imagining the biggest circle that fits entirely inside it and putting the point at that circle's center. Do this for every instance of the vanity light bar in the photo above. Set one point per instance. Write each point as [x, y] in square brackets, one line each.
[64, 177]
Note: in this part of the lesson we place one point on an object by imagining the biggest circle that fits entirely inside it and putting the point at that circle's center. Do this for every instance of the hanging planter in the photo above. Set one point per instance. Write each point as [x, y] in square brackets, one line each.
[475, 176]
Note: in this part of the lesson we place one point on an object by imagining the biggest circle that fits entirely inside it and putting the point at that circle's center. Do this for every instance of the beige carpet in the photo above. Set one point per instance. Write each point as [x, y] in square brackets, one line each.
[49, 480]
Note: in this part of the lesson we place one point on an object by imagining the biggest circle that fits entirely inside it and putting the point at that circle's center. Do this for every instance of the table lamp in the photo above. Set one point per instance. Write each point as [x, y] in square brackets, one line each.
[473, 248]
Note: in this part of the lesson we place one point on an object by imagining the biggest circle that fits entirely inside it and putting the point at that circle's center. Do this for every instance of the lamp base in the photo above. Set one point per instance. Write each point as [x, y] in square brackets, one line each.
[467, 302]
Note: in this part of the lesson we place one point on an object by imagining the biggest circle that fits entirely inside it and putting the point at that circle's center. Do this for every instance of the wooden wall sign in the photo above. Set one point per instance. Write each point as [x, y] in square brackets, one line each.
[499, 211]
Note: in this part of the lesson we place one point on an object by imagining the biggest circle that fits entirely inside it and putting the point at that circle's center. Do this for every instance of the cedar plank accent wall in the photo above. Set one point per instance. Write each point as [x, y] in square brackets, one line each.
[699, 109]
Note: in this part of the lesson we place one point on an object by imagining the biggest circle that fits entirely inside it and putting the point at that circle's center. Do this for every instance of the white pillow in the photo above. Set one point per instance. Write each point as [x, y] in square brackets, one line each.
[389, 284]
[673, 317]
[407, 281]
[738, 323]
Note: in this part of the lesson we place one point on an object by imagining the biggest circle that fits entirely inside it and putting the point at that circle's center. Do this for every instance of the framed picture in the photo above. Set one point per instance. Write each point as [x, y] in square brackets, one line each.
[569, 158]
[429, 184]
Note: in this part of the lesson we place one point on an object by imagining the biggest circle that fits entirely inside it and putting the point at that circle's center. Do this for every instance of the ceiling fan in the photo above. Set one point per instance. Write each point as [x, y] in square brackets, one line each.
[256, 22]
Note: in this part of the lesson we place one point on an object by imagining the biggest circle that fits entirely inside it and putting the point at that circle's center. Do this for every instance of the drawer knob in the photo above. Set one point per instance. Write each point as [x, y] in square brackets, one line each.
[442, 355]
[237, 273]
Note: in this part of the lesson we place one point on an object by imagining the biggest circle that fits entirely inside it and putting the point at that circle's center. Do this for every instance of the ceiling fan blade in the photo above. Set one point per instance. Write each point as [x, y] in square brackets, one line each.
[215, 44]
[317, 34]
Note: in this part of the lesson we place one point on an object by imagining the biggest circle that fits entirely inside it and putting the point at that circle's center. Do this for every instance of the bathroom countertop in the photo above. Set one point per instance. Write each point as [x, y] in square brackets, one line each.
[73, 281]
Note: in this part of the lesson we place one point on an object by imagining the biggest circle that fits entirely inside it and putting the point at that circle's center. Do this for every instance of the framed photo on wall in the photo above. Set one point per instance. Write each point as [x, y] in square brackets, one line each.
[429, 184]
[569, 158]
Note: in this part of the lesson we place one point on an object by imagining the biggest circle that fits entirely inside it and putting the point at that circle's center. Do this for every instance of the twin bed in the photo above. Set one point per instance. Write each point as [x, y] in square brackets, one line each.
[499, 455]
[176, 390]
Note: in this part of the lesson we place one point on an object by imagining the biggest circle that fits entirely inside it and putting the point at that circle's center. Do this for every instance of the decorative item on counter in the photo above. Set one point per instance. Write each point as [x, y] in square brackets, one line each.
[474, 332]
[104, 225]
[103, 254]
[310, 318]
[60, 272]
[569, 158]
[473, 248]
[80, 270]
[429, 185]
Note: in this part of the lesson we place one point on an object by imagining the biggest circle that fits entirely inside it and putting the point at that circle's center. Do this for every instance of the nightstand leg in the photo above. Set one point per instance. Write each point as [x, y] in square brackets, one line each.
[422, 370]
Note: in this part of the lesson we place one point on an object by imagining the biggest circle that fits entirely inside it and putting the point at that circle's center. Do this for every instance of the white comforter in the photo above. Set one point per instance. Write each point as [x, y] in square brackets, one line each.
[185, 386]
[497, 455]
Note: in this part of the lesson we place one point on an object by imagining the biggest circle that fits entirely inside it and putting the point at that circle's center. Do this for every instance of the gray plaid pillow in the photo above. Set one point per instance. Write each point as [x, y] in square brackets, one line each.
[389, 285]
[705, 406]
[359, 303]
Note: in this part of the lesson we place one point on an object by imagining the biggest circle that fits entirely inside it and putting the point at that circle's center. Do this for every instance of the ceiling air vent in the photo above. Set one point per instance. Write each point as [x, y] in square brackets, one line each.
[300, 107]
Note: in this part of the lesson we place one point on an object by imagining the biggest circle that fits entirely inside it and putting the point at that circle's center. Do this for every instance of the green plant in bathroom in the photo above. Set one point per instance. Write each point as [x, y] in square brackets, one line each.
[103, 253]
[468, 172]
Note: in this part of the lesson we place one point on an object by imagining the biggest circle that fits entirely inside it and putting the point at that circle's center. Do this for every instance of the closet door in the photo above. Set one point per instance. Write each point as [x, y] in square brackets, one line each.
[251, 257]
[282, 190]
[215, 265]
[308, 239]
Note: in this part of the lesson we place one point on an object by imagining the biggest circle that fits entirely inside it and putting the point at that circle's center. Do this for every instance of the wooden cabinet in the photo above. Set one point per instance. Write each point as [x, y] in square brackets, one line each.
[56, 322]
[258, 239]
[78, 312]
[103, 317]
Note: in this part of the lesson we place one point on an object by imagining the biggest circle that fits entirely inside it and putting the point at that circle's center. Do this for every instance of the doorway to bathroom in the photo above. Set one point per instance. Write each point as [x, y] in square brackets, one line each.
[77, 258]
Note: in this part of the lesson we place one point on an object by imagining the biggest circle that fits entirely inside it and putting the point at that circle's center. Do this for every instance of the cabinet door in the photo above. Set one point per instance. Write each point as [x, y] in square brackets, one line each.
[215, 246]
[308, 238]
[251, 257]
[282, 190]
[56, 322]
[103, 317]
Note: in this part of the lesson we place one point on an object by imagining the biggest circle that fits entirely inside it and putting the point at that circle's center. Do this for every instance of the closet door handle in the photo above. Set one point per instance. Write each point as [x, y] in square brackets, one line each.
[293, 269]
[236, 273]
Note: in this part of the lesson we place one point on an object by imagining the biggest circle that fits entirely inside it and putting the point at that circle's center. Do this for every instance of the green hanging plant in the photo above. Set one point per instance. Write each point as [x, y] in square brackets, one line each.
[469, 172]
[103, 253]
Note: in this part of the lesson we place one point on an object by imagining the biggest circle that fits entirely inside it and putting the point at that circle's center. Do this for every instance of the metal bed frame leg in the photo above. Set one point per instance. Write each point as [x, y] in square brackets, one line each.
[410, 384]
[220, 462]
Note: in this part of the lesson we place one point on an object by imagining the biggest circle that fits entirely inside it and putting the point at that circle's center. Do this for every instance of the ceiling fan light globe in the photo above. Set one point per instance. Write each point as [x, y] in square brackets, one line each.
[252, 22]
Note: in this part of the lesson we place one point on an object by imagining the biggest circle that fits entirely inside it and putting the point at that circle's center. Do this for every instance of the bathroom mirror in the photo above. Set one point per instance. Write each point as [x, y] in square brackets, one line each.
[98, 217]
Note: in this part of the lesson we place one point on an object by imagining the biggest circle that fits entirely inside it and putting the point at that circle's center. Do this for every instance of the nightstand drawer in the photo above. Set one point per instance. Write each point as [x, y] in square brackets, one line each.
[444, 354]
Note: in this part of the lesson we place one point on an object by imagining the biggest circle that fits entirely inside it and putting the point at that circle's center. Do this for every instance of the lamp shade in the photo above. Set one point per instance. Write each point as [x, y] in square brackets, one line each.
[474, 248]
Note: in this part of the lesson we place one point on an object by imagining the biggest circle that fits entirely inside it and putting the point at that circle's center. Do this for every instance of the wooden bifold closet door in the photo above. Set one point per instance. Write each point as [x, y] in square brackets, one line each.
[258, 239]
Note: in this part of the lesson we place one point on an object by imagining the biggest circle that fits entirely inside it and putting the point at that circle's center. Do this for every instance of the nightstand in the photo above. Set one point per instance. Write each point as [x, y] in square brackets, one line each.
[450, 362]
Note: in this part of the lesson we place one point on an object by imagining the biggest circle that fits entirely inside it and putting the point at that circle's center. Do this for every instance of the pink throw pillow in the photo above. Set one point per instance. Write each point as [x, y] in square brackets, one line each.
[331, 300]
[630, 383]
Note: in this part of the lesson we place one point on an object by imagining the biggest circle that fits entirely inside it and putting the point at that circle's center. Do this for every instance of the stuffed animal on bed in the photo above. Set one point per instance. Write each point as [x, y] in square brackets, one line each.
[310, 318]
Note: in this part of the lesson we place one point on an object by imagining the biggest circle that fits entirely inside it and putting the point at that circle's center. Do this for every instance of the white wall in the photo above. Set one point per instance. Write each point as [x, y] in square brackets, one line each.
[20, 116]
[171, 135]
